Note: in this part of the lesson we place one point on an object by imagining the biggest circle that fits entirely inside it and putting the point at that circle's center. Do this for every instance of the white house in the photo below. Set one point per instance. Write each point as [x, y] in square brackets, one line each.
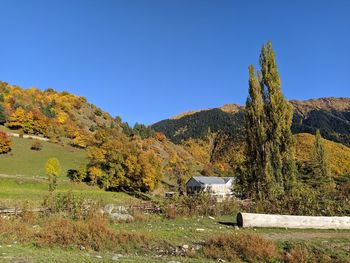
[220, 187]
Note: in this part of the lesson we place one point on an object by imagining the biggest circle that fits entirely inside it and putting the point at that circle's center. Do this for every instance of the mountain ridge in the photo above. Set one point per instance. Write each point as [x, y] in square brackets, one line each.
[329, 114]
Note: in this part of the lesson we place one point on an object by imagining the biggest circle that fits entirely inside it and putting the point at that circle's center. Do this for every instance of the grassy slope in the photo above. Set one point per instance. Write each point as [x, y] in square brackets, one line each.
[16, 191]
[23, 161]
[22, 175]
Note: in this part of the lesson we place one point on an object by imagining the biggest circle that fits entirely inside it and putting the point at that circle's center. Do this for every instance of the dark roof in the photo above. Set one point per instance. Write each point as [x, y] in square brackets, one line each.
[212, 179]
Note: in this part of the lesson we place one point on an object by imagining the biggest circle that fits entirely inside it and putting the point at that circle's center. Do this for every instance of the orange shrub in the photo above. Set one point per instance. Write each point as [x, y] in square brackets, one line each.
[94, 233]
[252, 248]
[5, 143]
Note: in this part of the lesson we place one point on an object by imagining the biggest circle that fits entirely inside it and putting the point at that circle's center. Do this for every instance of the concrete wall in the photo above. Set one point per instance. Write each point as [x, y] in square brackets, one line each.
[288, 221]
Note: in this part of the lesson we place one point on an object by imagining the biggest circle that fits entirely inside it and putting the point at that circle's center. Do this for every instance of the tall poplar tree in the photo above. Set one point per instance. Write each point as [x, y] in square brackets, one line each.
[253, 181]
[270, 143]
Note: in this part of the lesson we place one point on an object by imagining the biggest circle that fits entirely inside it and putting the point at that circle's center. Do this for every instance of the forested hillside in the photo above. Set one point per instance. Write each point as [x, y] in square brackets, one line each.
[118, 156]
[208, 142]
[54, 115]
[330, 115]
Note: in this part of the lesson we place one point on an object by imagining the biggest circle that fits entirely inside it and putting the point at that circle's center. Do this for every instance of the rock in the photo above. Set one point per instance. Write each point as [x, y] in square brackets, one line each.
[108, 208]
[121, 217]
[236, 228]
[117, 213]
[82, 247]
[115, 258]
[197, 247]
[120, 209]
[185, 246]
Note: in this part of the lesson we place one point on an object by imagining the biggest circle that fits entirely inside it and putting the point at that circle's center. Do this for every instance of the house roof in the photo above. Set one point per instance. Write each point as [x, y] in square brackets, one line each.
[212, 179]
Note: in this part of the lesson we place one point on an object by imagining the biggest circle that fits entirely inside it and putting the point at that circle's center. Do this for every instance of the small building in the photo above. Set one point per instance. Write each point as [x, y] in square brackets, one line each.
[219, 187]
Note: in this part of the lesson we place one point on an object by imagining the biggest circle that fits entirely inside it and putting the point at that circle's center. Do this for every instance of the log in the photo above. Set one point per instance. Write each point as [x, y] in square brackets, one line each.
[289, 221]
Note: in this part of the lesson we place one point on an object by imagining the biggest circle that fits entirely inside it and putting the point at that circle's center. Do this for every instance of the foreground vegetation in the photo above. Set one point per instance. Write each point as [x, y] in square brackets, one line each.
[66, 231]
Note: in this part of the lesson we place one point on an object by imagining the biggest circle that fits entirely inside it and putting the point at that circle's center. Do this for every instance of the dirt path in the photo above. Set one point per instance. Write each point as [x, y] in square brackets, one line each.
[309, 235]
[26, 136]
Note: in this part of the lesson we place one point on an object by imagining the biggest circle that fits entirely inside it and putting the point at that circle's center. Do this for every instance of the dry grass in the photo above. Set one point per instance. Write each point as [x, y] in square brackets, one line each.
[246, 247]
[14, 230]
[302, 253]
[93, 233]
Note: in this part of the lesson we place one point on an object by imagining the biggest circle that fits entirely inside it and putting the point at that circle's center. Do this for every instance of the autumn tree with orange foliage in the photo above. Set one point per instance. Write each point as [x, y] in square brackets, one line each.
[5, 143]
[117, 162]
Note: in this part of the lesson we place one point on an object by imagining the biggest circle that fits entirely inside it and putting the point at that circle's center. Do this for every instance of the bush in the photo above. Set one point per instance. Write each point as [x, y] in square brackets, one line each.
[70, 206]
[94, 233]
[200, 204]
[300, 252]
[251, 248]
[13, 230]
[5, 143]
[36, 145]
[98, 112]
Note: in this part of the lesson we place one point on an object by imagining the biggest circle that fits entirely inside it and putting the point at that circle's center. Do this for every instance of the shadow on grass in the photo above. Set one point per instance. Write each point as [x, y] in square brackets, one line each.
[233, 224]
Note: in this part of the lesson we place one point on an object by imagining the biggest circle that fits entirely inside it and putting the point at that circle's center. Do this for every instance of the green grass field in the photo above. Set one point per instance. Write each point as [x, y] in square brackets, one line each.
[26, 162]
[16, 191]
[22, 174]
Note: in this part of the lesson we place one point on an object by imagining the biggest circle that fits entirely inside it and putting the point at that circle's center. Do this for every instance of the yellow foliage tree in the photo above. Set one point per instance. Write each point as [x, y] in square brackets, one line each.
[17, 119]
[53, 170]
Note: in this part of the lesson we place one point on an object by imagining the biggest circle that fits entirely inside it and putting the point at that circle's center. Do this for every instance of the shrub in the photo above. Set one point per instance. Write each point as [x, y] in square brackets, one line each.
[94, 233]
[13, 230]
[98, 112]
[200, 204]
[5, 143]
[251, 248]
[36, 145]
[70, 206]
[301, 252]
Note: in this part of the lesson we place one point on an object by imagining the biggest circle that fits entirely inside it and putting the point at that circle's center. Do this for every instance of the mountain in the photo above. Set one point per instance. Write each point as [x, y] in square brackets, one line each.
[330, 115]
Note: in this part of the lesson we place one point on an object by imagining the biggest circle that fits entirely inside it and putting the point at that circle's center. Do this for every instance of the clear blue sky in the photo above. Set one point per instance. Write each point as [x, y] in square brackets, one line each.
[146, 60]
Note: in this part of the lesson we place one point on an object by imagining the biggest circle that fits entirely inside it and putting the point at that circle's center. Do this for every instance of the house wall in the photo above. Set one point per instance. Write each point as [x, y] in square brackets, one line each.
[221, 191]
[193, 186]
